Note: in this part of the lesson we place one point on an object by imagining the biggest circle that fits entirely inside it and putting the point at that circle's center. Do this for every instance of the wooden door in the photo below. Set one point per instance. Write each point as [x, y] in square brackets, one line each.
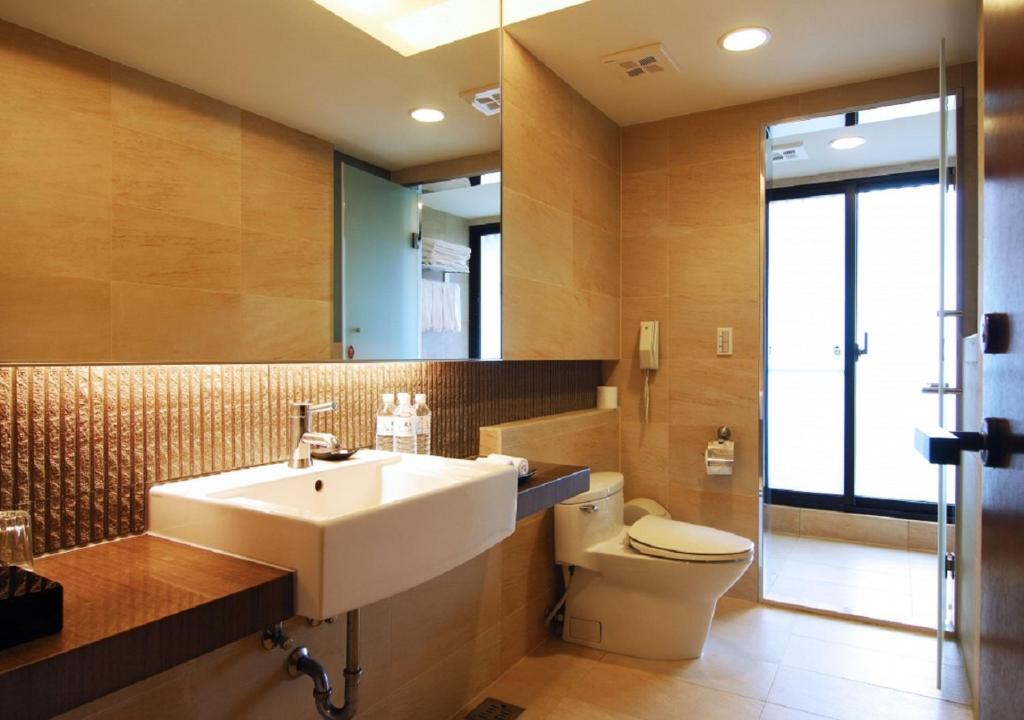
[1002, 554]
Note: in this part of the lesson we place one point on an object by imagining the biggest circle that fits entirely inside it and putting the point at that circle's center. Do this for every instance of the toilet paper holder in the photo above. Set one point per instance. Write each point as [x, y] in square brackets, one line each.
[719, 457]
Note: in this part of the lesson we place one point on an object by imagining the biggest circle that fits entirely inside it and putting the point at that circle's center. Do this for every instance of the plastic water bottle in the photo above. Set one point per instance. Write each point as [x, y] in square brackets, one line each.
[422, 425]
[386, 423]
[405, 425]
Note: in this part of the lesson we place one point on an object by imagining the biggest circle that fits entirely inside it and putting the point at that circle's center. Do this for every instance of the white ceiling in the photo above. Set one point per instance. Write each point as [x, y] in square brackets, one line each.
[297, 63]
[815, 44]
[467, 202]
[902, 141]
[294, 62]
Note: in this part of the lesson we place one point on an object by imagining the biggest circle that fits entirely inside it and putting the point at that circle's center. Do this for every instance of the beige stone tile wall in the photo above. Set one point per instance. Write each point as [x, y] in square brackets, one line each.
[581, 437]
[857, 528]
[692, 248]
[145, 222]
[560, 216]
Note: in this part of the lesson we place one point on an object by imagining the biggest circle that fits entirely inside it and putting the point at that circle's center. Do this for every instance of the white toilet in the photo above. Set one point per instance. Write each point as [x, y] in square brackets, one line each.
[647, 588]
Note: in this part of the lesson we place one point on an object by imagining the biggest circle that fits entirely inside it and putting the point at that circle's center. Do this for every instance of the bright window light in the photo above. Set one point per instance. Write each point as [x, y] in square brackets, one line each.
[412, 26]
[490, 178]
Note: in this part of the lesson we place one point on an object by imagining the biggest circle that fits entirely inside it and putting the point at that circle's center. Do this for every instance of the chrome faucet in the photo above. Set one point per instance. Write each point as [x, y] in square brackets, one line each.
[301, 437]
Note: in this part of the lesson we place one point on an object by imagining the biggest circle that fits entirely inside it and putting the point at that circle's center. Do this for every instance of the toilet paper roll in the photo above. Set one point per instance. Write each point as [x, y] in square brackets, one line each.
[607, 397]
[720, 457]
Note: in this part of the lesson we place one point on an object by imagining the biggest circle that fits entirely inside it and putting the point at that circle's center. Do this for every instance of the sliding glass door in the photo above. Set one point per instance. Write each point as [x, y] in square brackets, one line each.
[852, 285]
[897, 287]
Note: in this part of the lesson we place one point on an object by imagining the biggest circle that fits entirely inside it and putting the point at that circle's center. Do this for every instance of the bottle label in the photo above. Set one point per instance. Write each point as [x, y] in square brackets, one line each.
[404, 427]
[423, 425]
[385, 425]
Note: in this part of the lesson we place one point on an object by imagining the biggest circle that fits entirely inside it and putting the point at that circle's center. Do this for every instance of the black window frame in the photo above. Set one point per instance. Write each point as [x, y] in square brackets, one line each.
[849, 501]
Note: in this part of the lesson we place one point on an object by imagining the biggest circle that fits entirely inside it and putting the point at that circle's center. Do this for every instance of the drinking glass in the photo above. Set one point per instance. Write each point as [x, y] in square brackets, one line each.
[15, 539]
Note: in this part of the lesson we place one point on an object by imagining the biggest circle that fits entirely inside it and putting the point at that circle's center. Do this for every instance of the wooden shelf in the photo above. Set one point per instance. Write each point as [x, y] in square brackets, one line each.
[133, 608]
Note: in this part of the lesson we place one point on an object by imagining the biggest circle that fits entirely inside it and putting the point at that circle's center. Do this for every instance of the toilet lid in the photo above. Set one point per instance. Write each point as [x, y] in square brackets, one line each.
[602, 484]
[677, 540]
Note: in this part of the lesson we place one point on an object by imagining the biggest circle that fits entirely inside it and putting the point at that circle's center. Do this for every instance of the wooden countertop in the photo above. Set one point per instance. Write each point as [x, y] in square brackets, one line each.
[133, 608]
[549, 486]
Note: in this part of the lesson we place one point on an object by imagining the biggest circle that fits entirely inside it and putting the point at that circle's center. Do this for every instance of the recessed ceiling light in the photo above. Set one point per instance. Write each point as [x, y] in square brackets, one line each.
[849, 142]
[427, 115]
[745, 38]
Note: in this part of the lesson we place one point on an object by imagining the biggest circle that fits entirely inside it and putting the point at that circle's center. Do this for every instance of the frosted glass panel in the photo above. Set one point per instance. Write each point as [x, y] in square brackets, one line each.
[490, 296]
[806, 270]
[897, 301]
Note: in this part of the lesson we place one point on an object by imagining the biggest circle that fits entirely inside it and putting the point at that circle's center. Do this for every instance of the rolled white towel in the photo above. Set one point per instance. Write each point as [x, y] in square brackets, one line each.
[520, 464]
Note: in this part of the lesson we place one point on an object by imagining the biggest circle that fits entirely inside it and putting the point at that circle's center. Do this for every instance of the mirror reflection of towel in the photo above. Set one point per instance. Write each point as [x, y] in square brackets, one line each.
[440, 306]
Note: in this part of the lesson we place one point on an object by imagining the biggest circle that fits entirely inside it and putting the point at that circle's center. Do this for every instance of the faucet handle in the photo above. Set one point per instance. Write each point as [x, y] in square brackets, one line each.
[308, 408]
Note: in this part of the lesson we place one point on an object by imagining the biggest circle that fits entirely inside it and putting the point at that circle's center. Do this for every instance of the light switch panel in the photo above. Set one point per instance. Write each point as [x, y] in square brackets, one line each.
[723, 342]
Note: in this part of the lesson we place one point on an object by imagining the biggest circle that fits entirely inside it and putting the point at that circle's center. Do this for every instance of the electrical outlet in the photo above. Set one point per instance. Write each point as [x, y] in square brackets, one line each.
[723, 341]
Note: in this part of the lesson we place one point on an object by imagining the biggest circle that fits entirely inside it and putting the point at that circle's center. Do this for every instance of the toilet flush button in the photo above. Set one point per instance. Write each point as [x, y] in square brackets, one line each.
[723, 341]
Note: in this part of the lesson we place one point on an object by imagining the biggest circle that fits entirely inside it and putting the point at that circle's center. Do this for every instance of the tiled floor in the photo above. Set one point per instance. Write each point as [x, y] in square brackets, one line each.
[761, 663]
[881, 583]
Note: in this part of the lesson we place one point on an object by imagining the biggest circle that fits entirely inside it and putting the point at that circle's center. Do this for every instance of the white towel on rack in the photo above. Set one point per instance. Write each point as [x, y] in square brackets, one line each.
[452, 307]
[426, 305]
[440, 306]
[445, 255]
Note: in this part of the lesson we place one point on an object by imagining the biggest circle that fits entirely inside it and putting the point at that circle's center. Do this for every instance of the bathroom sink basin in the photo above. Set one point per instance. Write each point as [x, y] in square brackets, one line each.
[354, 532]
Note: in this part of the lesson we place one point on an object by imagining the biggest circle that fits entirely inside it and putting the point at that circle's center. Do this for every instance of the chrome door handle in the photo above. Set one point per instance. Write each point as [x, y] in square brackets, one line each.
[590, 508]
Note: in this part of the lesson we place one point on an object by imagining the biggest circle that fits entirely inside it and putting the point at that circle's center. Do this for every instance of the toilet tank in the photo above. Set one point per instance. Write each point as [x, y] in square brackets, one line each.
[588, 518]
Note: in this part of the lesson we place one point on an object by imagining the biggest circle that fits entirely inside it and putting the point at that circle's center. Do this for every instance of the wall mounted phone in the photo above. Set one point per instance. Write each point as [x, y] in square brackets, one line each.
[648, 359]
[649, 345]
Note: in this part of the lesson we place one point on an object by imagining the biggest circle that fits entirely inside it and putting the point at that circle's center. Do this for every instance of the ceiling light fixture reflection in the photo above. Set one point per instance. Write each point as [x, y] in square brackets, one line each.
[412, 26]
[427, 115]
[848, 142]
[744, 39]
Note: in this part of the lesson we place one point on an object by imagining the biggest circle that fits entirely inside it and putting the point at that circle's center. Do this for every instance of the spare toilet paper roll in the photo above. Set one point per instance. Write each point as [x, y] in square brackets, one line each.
[522, 467]
[607, 397]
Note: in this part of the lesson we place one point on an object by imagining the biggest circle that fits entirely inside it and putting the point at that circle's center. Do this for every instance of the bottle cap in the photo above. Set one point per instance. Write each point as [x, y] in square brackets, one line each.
[388, 397]
[421, 398]
[403, 398]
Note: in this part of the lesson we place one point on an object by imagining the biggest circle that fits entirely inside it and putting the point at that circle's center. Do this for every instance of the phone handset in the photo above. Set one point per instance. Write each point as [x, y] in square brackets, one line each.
[648, 359]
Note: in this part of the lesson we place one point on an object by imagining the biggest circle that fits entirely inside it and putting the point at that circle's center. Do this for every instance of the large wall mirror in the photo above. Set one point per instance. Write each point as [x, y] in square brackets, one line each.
[229, 180]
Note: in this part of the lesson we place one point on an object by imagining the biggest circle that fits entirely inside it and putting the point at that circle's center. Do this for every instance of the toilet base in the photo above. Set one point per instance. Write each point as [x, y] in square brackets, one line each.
[623, 619]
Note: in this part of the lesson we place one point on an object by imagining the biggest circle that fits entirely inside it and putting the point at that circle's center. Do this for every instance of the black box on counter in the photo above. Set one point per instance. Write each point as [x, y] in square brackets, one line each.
[30, 606]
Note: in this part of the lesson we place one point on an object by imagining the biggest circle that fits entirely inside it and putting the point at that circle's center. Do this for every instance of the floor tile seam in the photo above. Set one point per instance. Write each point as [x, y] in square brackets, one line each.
[883, 687]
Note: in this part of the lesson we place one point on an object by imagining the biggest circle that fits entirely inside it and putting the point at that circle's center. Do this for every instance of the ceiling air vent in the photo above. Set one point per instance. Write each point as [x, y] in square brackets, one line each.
[646, 60]
[789, 152]
[486, 99]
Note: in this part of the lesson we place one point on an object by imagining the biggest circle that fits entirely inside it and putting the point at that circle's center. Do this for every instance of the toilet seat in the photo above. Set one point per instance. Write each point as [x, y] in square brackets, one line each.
[675, 540]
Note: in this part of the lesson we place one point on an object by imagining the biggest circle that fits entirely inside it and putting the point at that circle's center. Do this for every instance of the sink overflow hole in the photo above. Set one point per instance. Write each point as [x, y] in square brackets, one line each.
[492, 709]
[318, 485]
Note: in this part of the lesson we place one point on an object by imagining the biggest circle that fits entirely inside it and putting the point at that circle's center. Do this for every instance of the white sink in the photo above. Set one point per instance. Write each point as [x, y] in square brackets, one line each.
[356, 531]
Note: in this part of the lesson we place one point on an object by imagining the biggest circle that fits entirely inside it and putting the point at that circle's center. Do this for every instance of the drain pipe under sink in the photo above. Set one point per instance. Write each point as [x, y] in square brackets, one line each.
[300, 663]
